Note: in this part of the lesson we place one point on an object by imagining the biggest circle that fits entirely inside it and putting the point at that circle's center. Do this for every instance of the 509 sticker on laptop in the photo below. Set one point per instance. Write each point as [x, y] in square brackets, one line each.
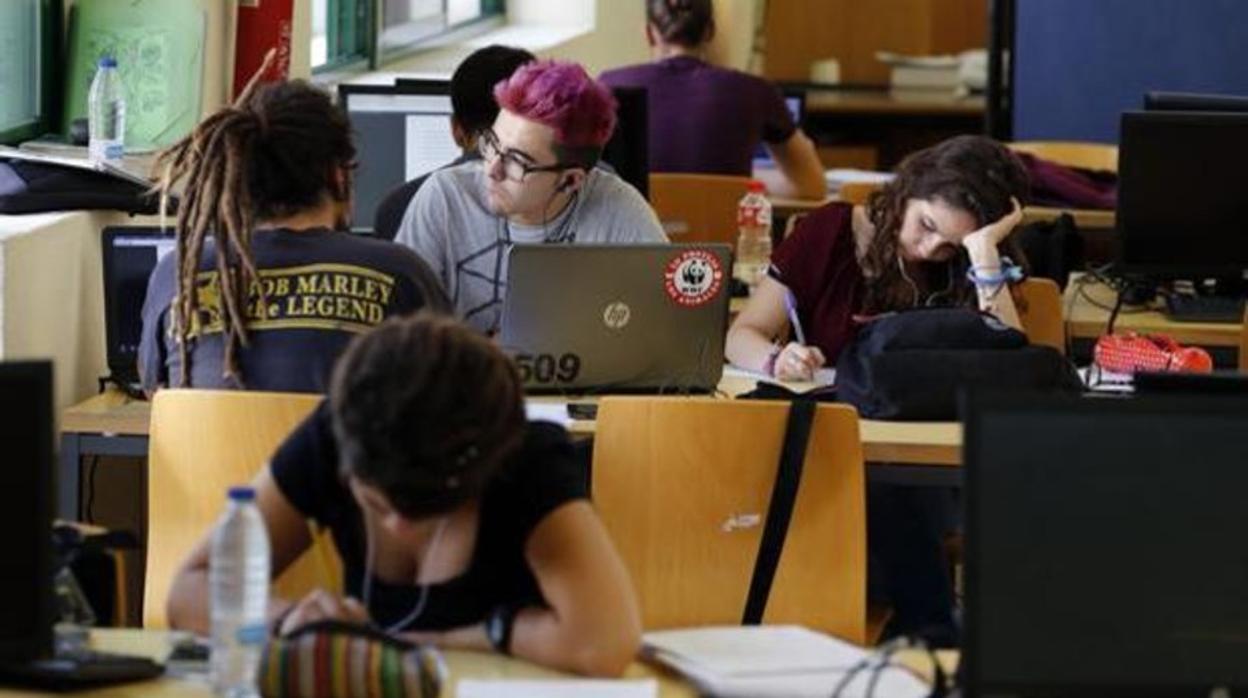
[548, 368]
[693, 278]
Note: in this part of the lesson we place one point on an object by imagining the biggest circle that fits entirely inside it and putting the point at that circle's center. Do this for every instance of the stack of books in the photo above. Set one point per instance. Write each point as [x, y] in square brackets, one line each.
[922, 72]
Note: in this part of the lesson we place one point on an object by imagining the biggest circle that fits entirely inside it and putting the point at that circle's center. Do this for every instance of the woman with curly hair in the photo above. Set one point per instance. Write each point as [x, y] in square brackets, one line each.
[945, 214]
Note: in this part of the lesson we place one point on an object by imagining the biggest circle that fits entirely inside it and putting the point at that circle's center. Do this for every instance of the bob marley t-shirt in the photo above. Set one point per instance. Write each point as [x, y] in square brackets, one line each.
[317, 289]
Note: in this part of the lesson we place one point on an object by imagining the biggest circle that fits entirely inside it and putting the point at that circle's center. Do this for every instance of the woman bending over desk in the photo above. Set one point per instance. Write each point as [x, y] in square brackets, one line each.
[929, 237]
[458, 523]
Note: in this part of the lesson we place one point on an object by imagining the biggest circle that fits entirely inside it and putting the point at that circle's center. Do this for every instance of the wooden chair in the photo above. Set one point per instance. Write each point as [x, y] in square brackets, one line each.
[697, 207]
[857, 193]
[201, 443]
[1041, 313]
[683, 486]
[1085, 155]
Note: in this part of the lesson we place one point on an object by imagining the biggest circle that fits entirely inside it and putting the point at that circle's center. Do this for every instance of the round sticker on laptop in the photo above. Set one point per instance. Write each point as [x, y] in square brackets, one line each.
[693, 278]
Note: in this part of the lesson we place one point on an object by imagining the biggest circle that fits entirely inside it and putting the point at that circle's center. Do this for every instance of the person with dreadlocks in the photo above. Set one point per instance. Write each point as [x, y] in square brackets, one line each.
[458, 522]
[265, 290]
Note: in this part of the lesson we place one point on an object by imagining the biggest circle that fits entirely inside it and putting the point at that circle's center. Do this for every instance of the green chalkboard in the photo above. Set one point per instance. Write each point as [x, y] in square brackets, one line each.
[159, 47]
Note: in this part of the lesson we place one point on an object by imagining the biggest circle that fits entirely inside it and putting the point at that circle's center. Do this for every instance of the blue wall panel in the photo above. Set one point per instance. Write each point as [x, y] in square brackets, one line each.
[1078, 63]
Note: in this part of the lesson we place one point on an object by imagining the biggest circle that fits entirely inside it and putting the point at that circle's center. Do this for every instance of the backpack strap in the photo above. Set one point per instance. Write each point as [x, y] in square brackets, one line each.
[780, 511]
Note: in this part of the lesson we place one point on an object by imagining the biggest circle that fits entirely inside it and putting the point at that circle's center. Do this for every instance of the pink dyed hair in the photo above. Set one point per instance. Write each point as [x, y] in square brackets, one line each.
[563, 96]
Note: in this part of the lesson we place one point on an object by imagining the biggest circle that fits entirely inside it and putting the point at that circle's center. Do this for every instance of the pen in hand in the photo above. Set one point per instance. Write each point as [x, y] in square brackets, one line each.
[790, 307]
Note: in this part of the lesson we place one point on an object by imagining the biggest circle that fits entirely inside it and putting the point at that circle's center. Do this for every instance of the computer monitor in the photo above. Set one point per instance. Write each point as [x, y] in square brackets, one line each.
[795, 102]
[1103, 546]
[1191, 101]
[401, 132]
[628, 151]
[1182, 205]
[26, 597]
[130, 254]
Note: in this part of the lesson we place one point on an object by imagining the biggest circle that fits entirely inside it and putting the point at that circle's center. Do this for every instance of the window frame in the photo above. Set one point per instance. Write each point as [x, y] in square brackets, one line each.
[50, 14]
[354, 33]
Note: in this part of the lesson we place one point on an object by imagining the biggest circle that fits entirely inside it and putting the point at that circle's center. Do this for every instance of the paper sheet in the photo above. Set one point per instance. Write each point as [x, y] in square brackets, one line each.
[824, 378]
[556, 688]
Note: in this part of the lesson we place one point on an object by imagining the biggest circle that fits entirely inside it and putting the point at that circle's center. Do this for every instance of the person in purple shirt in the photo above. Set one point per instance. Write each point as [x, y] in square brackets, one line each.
[708, 119]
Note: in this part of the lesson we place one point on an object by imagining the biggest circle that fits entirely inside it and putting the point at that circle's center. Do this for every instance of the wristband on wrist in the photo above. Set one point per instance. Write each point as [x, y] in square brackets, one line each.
[1008, 272]
[498, 626]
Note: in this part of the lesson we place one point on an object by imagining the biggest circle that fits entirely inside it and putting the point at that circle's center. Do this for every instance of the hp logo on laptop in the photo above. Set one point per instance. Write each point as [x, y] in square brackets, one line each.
[616, 315]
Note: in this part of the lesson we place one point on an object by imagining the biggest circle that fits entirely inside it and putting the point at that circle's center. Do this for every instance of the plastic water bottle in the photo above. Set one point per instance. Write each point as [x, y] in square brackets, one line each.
[106, 107]
[239, 580]
[754, 241]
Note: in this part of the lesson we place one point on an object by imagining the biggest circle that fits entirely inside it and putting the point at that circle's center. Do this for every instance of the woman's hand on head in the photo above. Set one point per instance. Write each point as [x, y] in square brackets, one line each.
[321, 605]
[797, 362]
[991, 235]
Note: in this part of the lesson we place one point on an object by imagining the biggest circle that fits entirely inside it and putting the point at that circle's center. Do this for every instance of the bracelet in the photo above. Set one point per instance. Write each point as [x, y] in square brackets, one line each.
[1008, 272]
[769, 366]
[498, 626]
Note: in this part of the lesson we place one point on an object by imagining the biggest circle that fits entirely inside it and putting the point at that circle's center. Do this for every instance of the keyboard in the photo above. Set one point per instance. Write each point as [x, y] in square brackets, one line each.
[80, 671]
[1185, 307]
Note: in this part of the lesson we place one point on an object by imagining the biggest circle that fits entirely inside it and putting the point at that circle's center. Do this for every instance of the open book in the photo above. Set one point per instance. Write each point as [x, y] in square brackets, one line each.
[825, 379]
[781, 660]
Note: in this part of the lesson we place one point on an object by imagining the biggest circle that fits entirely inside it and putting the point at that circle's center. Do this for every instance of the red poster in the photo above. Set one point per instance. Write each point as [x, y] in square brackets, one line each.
[262, 24]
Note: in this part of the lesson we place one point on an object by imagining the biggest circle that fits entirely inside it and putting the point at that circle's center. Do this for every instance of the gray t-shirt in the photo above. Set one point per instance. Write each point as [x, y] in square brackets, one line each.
[451, 227]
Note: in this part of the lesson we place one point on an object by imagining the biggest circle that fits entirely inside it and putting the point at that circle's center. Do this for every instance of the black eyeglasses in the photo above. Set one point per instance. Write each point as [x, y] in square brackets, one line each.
[514, 168]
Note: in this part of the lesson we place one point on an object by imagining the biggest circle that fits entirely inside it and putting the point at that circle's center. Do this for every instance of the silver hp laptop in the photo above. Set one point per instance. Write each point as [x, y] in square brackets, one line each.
[617, 318]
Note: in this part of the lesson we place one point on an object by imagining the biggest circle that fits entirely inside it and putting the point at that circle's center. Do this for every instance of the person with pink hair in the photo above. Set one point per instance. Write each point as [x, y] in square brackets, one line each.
[536, 183]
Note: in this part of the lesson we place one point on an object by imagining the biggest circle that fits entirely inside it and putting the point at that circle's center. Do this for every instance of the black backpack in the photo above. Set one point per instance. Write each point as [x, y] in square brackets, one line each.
[34, 187]
[911, 365]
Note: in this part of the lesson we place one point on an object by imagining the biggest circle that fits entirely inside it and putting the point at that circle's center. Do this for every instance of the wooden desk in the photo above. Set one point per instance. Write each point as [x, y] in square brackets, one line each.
[113, 424]
[1085, 320]
[891, 124]
[890, 102]
[461, 664]
[1085, 219]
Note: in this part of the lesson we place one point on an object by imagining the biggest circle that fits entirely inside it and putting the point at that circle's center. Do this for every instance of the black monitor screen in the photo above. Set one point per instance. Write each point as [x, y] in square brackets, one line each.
[26, 484]
[1106, 552]
[795, 102]
[628, 151]
[401, 132]
[1182, 199]
[130, 254]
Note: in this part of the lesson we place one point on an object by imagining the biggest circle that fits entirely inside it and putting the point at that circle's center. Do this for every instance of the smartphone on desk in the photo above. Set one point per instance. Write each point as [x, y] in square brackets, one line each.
[585, 411]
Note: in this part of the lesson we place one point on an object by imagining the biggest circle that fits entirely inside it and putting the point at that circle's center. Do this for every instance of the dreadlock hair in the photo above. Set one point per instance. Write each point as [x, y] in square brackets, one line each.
[426, 410]
[972, 173]
[274, 153]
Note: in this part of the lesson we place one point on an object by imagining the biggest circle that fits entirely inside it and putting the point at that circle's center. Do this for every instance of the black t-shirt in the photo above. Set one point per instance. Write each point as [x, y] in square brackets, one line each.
[322, 288]
[542, 476]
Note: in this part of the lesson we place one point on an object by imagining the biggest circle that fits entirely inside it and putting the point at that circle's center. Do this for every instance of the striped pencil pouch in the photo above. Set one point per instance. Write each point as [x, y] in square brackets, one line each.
[342, 660]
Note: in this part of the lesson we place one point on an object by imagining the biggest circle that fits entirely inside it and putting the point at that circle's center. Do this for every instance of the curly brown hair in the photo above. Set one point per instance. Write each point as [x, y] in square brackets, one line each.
[427, 411]
[972, 173]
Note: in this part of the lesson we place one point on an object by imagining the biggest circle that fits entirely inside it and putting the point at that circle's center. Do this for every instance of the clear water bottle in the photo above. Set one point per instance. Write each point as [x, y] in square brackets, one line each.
[754, 240]
[239, 582]
[106, 108]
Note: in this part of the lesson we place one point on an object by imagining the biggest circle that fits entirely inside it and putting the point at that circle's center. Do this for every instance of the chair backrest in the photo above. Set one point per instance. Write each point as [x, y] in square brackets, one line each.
[1041, 313]
[857, 193]
[1084, 155]
[201, 442]
[697, 207]
[683, 486]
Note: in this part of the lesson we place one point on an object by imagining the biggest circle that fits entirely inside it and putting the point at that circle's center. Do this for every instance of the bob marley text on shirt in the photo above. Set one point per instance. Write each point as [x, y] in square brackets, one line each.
[340, 297]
